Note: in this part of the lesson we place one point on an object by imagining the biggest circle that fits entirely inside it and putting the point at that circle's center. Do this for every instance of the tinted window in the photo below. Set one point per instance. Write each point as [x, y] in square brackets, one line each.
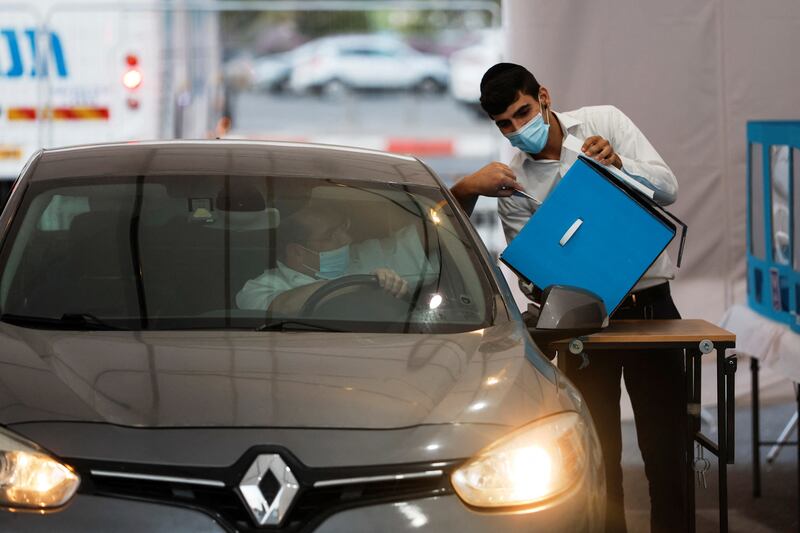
[182, 252]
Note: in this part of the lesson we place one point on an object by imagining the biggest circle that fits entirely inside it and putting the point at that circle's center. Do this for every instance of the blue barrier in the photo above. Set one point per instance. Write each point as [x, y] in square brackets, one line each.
[773, 220]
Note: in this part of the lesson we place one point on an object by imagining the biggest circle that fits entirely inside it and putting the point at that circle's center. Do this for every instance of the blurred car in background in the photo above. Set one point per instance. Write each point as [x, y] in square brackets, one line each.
[338, 63]
[270, 73]
[468, 65]
[238, 71]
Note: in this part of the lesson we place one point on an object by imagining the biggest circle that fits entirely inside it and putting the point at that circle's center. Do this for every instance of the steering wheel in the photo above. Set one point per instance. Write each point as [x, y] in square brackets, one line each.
[337, 285]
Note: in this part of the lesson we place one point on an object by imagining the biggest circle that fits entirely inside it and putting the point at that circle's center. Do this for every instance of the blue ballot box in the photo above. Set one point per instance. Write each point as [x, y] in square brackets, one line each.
[593, 232]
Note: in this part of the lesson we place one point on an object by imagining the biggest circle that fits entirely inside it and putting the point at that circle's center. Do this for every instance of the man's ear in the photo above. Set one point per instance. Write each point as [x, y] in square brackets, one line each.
[544, 97]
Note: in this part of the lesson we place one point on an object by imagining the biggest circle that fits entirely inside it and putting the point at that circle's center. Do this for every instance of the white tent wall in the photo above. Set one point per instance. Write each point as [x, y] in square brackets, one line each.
[690, 74]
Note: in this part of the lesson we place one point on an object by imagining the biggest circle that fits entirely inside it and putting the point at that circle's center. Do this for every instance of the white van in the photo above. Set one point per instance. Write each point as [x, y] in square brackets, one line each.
[89, 71]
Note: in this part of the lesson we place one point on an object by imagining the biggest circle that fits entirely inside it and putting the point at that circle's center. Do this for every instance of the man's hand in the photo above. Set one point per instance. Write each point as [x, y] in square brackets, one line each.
[600, 150]
[495, 179]
[391, 282]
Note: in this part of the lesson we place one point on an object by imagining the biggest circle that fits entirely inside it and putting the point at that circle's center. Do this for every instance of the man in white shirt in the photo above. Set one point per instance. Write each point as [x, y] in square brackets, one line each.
[542, 138]
[315, 247]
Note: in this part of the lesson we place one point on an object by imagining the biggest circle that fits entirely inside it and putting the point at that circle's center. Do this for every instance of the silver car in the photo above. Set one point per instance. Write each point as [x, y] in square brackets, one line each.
[338, 63]
[146, 385]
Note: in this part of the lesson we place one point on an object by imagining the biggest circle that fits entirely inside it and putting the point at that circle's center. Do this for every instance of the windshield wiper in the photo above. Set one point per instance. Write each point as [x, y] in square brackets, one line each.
[294, 325]
[87, 319]
[82, 321]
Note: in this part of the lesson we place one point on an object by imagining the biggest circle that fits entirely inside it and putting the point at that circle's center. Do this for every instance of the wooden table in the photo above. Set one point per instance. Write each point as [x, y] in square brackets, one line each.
[696, 338]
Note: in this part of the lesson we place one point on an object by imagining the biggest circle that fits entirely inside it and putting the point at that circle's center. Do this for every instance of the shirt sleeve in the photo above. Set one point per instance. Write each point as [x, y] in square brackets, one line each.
[259, 293]
[514, 214]
[640, 160]
[401, 252]
[406, 255]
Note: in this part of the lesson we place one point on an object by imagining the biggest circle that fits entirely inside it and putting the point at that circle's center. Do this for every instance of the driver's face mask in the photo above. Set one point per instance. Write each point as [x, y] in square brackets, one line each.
[332, 263]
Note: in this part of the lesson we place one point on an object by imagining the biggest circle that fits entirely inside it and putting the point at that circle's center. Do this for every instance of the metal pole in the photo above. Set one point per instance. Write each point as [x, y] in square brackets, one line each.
[773, 452]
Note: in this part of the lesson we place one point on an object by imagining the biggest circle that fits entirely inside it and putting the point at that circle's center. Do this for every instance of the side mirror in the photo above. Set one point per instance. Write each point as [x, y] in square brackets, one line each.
[569, 308]
[567, 312]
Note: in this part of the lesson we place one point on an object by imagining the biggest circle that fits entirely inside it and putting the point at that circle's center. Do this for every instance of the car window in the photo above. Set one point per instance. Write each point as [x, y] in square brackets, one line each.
[184, 252]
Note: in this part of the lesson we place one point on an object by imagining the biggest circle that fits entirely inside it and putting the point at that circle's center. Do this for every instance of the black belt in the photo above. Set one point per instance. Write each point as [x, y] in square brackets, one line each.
[646, 296]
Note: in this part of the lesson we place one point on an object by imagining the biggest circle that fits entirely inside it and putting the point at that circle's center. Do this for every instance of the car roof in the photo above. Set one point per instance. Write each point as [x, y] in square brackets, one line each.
[230, 157]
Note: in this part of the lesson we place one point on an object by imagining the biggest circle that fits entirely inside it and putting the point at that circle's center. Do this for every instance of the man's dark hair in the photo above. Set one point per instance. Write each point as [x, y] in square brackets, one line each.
[502, 83]
[294, 229]
[297, 227]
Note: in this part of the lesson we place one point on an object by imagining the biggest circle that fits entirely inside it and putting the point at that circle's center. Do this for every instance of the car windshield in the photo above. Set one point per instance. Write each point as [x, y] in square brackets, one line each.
[240, 252]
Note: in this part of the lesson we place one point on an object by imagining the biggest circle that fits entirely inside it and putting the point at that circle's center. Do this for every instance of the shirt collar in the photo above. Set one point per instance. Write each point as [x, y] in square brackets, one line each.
[568, 121]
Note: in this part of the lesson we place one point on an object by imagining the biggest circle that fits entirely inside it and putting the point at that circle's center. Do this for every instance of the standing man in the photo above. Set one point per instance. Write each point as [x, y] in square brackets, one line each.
[521, 109]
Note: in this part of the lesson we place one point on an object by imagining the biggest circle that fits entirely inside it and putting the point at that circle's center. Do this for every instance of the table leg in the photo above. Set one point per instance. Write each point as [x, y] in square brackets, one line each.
[722, 436]
[756, 425]
[731, 363]
[692, 417]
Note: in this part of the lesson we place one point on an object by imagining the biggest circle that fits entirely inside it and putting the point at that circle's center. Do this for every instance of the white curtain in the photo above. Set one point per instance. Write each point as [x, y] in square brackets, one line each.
[690, 74]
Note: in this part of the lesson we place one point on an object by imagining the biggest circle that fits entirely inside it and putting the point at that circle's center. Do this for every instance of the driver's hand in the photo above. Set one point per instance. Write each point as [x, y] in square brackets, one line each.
[391, 282]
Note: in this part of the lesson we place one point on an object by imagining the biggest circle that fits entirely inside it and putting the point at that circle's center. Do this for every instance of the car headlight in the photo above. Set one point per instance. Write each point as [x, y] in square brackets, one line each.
[533, 464]
[30, 478]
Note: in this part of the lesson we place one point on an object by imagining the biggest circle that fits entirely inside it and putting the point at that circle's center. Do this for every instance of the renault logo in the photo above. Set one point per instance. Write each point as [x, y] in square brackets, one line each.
[268, 488]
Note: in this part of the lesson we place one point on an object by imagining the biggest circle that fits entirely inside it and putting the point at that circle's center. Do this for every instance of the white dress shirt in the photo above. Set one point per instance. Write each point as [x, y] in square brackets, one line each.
[639, 159]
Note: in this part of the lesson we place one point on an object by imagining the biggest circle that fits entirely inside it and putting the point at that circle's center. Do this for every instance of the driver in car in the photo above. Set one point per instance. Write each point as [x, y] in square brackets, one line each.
[315, 246]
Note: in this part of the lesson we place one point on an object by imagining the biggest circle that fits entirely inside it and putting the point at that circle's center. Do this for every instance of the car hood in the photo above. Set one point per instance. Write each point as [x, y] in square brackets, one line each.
[273, 379]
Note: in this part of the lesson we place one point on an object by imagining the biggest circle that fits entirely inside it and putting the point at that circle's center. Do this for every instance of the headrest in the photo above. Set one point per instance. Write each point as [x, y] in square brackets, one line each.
[241, 197]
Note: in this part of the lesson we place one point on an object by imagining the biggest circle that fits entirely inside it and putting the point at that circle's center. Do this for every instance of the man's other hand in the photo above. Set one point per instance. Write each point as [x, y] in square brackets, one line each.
[391, 282]
[495, 179]
[601, 150]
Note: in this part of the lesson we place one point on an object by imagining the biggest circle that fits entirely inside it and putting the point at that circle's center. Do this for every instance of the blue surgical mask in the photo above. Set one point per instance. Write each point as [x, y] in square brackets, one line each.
[334, 263]
[532, 136]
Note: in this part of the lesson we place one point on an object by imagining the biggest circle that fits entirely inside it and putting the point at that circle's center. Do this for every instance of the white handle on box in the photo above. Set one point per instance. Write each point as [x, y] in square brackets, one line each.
[570, 232]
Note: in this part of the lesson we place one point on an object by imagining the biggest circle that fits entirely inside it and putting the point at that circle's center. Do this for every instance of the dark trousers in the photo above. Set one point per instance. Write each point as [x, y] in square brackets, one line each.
[656, 386]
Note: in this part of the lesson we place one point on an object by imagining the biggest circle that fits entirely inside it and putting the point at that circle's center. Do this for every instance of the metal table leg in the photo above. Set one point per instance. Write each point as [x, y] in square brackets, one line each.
[692, 416]
[722, 435]
[756, 425]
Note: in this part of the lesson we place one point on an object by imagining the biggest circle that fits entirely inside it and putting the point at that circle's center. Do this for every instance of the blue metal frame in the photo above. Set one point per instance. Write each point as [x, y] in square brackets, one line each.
[779, 297]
